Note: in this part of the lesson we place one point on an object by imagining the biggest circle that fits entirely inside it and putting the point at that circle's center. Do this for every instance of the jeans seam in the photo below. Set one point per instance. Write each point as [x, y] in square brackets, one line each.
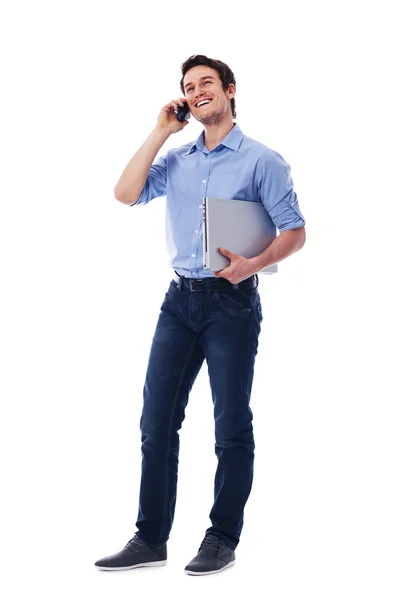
[174, 304]
[248, 353]
[169, 436]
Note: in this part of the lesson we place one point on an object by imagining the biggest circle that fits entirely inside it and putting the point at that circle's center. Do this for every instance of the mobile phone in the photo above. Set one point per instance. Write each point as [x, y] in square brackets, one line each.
[183, 113]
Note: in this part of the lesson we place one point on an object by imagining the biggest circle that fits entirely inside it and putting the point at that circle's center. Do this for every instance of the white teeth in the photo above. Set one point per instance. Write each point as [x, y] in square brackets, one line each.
[203, 102]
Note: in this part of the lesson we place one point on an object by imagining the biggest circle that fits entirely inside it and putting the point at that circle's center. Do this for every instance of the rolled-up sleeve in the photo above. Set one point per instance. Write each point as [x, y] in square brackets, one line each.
[277, 193]
[156, 182]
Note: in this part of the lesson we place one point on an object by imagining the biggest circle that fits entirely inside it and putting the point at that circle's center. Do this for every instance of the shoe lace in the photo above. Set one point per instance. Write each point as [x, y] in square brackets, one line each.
[211, 542]
[135, 544]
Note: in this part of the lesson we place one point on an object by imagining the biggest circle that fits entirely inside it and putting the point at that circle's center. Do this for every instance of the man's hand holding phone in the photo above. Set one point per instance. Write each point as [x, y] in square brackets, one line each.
[168, 117]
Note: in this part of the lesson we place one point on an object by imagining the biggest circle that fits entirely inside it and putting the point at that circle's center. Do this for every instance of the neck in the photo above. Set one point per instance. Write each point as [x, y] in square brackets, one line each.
[214, 134]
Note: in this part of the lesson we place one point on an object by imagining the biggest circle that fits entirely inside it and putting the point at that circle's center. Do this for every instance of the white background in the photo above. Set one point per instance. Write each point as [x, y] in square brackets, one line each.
[83, 277]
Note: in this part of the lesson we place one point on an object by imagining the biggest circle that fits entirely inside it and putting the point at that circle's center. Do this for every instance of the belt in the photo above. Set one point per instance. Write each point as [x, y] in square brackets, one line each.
[214, 284]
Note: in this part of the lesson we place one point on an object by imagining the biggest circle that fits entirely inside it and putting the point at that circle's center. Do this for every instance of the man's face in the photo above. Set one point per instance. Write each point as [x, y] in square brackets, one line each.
[201, 83]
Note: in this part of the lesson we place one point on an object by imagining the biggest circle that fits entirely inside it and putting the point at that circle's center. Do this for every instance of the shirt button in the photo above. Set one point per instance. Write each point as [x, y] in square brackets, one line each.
[204, 181]
[193, 255]
[196, 231]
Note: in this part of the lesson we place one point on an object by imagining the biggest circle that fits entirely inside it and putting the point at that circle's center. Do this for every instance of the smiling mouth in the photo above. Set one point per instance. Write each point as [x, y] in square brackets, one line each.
[206, 104]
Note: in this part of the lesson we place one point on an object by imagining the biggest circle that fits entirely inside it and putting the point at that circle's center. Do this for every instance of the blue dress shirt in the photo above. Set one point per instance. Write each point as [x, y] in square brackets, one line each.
[239, 168]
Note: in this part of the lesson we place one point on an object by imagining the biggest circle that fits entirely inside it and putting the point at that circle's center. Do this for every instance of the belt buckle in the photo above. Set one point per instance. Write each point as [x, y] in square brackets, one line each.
[193, 282]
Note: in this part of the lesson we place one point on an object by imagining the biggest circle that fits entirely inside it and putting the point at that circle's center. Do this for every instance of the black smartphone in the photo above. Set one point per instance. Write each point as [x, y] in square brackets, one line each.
[183, 113]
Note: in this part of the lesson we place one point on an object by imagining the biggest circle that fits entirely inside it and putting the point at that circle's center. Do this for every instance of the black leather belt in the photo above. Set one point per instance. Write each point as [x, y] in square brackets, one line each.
[214, 283]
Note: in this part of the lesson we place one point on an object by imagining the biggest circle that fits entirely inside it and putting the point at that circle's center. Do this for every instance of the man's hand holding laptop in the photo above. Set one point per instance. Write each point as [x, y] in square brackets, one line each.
[239, 269]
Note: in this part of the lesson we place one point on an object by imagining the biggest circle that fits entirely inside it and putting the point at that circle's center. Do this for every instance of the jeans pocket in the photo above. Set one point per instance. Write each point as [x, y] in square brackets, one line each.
[235, 302]
[173, 286]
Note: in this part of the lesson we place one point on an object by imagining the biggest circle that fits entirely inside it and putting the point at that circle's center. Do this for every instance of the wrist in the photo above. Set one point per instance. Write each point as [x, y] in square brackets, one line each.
[161, 131]
[254, 264]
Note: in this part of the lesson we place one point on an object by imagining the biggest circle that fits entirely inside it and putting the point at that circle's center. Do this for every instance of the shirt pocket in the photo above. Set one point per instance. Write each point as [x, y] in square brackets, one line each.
[227, 184]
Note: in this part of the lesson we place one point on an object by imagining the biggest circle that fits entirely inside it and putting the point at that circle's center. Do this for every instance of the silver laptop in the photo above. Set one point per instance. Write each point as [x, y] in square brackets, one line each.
[241, 226]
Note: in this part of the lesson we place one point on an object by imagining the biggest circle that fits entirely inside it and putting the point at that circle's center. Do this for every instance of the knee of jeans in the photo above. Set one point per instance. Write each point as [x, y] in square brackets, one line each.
[160, 440]
[244, 439]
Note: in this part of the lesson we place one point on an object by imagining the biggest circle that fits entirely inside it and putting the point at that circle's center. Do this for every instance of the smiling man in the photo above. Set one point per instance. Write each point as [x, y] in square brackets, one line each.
[205, 316]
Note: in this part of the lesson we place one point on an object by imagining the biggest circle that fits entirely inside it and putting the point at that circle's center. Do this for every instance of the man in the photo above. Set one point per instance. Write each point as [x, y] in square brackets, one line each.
[204, 316]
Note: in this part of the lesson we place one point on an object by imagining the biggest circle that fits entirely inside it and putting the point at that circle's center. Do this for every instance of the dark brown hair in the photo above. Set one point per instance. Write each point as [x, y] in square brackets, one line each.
[225, 73]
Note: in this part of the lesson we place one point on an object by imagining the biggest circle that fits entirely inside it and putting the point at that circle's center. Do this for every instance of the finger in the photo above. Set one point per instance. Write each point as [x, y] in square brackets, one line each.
[172, 105]
[177, 103]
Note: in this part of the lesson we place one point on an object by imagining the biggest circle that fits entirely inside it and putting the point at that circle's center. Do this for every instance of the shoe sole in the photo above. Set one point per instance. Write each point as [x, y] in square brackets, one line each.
[157, 563]
[210, 572]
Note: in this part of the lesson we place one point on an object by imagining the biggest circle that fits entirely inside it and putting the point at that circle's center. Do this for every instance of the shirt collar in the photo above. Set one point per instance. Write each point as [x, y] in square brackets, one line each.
[232, 140]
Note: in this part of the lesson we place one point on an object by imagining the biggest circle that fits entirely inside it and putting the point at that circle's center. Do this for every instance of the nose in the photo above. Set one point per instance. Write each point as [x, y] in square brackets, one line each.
[198, 95]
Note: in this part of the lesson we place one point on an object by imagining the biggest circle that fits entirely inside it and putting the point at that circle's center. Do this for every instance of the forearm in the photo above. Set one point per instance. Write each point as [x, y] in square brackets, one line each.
[285, 244]
[133, 178]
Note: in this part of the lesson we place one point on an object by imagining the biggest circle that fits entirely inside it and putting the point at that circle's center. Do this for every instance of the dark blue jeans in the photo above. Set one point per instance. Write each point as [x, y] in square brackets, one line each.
[222, 327]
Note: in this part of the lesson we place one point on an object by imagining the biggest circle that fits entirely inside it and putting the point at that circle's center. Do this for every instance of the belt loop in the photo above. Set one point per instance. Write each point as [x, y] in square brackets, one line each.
[235, 286]
[179, 282]
[257, 279]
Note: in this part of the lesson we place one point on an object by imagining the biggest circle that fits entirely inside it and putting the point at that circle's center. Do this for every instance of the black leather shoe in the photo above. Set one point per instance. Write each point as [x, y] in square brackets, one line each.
[214, 556]
[135, 554]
